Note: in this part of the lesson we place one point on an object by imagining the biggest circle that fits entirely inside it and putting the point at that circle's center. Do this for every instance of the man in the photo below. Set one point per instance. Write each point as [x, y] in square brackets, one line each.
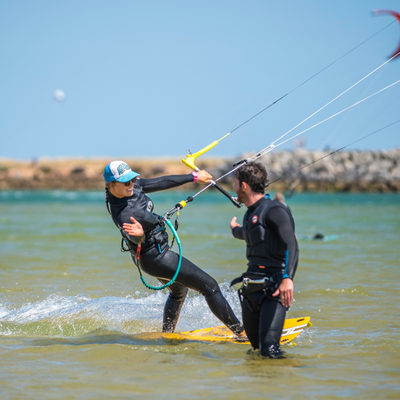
[272, 253]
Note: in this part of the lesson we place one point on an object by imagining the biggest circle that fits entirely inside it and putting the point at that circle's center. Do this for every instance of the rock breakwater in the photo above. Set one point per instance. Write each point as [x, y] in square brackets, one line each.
[356, 171]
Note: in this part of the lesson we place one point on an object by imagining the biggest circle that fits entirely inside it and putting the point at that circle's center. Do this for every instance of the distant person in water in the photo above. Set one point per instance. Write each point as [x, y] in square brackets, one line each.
[272, 251]
[280, 197]
[132, 212]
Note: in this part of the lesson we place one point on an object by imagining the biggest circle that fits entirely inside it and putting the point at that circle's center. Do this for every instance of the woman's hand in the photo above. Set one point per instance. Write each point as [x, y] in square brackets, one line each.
[134, 229]
[203, 177]
[285, 289]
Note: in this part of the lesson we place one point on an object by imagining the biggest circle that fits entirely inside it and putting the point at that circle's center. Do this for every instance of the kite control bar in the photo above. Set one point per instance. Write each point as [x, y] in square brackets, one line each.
[189, 161]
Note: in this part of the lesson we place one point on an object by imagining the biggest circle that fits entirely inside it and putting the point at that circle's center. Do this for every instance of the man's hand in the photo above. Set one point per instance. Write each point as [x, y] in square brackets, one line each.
[285, 289]
[203, 177]
[234, 224]
[134, 229]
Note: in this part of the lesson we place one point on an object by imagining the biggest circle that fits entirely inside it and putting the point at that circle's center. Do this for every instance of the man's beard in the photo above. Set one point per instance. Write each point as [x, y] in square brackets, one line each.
[240, 195]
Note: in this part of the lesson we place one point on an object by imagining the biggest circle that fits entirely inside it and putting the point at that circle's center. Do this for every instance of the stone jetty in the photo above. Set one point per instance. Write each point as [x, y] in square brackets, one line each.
[344, 171]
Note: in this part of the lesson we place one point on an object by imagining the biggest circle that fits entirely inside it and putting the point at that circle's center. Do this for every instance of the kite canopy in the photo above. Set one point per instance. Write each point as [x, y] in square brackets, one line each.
[397, 16]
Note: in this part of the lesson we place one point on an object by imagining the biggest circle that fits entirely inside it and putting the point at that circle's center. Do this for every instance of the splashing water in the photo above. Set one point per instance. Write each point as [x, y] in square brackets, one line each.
[77, 315]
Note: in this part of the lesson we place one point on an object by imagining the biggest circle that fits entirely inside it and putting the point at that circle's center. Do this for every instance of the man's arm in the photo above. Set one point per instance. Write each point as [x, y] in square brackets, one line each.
[278, 219]
[237, 230]
[280, 222]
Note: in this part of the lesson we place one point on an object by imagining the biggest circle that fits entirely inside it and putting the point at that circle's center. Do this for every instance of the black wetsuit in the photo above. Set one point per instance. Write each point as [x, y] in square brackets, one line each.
[272, 251]
[157, 260]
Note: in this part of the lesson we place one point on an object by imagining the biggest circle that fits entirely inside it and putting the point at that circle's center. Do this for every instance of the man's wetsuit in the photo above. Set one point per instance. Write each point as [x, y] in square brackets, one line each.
[157, 260]
[272, 251]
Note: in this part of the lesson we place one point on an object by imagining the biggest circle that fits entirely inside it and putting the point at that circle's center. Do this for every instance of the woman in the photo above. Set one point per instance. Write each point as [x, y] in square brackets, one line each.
[131, 210]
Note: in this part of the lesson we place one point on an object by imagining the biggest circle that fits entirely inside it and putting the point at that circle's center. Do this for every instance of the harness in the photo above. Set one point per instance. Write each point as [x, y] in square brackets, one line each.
[253, 282]
[154, 237]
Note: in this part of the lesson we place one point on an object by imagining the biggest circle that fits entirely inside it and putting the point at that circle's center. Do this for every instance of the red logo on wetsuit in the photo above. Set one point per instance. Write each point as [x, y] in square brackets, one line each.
[254, 219]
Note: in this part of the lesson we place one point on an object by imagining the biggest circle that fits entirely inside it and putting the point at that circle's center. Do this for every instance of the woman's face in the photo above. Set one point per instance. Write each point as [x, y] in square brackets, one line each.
[119, 189]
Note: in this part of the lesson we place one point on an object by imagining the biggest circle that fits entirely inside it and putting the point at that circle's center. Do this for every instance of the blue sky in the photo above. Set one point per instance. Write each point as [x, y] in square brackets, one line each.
[156, 78]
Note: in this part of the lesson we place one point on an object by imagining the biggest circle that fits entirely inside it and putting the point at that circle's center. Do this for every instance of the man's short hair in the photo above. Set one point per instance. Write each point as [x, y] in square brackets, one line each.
[255, 175]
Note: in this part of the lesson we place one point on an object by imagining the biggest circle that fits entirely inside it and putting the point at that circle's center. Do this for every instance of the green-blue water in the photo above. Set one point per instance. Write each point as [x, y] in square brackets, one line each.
[71, 304]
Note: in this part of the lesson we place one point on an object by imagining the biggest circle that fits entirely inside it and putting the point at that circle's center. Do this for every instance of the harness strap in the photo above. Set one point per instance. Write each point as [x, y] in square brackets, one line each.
[253, 282]
[139, 247]
[255, 277]
[250, 286]
[237, 280]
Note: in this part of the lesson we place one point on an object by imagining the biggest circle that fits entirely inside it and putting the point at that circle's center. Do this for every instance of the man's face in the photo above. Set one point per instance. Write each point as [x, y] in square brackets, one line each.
[239, 190]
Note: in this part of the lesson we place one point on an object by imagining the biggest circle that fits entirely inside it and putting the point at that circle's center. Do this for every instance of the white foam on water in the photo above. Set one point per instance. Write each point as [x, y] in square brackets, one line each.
[82, 314]
[3, 311]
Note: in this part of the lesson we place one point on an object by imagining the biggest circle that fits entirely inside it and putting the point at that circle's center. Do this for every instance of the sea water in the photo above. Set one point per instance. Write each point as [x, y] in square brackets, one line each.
[73, 309]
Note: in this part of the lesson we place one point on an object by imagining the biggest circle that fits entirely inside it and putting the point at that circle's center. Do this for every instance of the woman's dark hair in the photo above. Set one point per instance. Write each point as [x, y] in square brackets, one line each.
[255, 175]
[107, 189]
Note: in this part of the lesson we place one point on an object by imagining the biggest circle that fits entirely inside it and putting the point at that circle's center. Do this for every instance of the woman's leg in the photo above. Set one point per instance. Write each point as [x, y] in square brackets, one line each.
[223, 311]
[173, 305]
[163, 266]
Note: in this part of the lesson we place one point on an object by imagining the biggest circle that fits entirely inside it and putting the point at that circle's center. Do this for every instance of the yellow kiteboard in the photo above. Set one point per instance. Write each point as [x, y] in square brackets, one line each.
[291, 328]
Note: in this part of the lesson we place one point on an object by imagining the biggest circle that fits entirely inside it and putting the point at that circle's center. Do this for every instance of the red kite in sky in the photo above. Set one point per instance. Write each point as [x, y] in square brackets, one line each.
[397, 16]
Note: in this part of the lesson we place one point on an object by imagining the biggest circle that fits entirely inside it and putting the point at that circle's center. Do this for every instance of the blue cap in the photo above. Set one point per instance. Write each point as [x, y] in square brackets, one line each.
[119, 171]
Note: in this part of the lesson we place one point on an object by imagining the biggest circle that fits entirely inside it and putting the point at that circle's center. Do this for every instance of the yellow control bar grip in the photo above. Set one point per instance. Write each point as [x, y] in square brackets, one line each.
[189, 161]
